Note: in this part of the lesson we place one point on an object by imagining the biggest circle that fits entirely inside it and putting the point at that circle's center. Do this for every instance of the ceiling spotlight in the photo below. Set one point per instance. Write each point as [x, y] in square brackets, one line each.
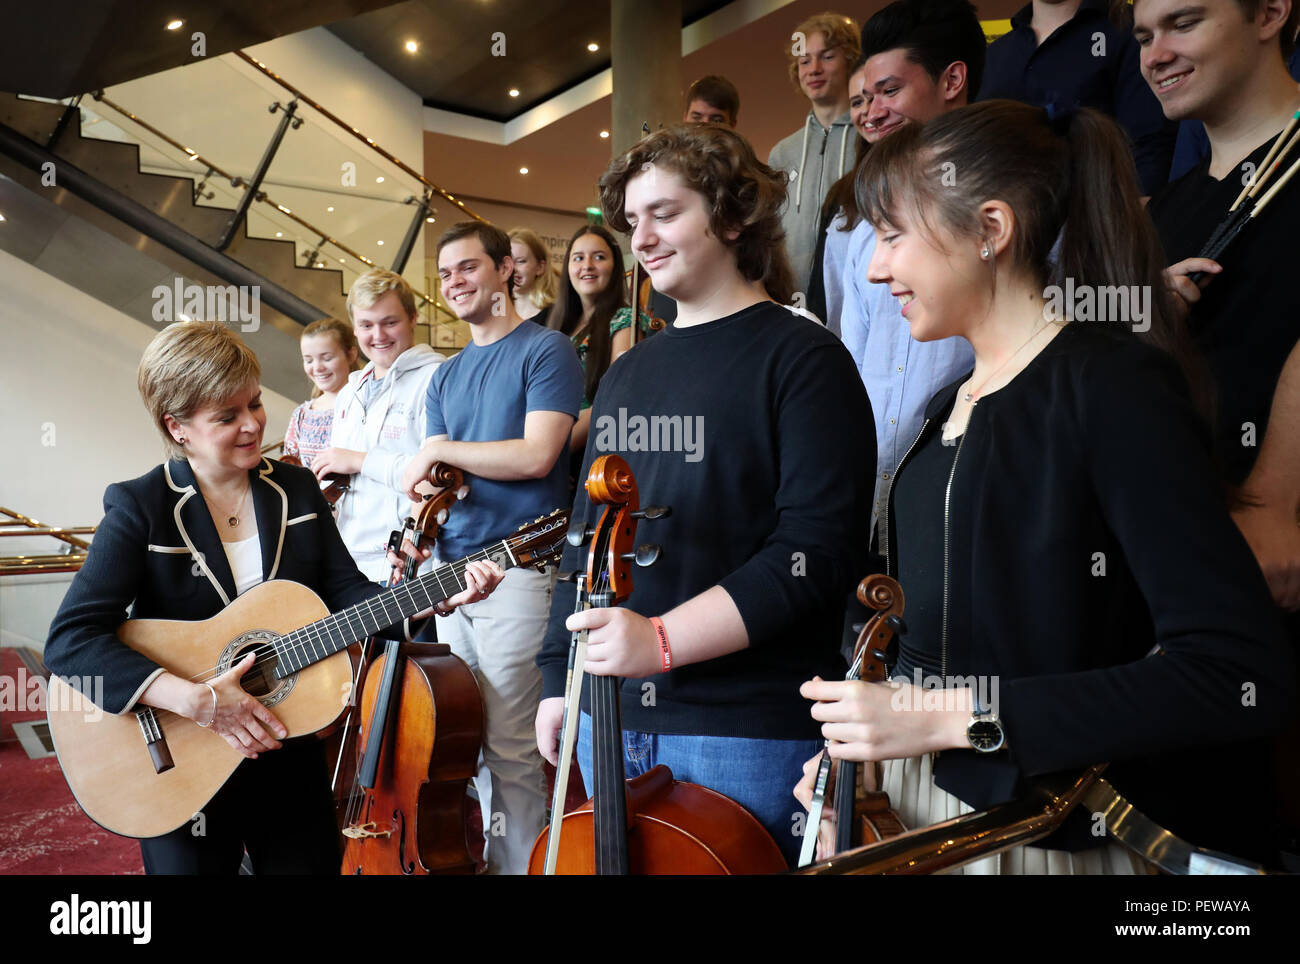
[175, 24]
[604, 133]
[593, 47]
[380, 179]
[2, 217]
[523, 170]
[428, 220]
[379, 242]
[513, 91]
[412, 46]
[279, 234]
[330, 208]
[341, 261]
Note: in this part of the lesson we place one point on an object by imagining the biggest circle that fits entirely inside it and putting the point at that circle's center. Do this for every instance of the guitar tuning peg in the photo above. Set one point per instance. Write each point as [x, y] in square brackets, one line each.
[653, 512]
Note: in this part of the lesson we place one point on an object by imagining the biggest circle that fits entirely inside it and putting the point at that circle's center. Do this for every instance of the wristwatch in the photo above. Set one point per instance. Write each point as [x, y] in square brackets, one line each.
[984, 731]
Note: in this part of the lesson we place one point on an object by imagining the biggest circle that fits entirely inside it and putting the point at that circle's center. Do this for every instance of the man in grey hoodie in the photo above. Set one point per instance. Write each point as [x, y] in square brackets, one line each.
[822, 51]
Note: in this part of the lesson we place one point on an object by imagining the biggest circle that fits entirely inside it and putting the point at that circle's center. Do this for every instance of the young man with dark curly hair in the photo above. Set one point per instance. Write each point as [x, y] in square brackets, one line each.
[770, 507]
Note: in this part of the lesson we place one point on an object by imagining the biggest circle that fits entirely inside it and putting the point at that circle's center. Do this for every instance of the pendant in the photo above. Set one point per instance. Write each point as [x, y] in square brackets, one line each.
[966, 397]
[233, 521]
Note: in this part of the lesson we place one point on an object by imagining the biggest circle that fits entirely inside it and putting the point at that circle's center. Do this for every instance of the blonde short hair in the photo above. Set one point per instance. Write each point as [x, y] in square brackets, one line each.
[838, 30]
[376, 283]
[188, 365]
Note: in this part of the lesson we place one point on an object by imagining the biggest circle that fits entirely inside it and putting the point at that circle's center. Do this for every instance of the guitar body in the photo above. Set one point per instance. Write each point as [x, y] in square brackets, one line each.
[105, 758]
[676, 828]
[414, 817]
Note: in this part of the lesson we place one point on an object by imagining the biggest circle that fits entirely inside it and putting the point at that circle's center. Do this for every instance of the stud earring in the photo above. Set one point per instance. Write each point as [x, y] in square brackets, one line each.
[985, 253]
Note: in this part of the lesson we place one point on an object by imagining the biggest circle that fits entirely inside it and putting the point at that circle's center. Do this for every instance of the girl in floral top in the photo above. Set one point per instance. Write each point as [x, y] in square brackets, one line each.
[329, 355]
[592, 310]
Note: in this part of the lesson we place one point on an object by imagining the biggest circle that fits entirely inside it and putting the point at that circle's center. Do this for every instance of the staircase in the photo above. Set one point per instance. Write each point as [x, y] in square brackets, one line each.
[116, 165]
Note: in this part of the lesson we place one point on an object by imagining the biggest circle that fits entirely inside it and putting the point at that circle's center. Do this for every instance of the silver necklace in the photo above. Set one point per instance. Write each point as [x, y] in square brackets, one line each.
[975, 395]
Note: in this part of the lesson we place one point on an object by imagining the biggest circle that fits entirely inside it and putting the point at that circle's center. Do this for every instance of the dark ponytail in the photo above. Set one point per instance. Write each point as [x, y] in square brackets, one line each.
[1070, 177]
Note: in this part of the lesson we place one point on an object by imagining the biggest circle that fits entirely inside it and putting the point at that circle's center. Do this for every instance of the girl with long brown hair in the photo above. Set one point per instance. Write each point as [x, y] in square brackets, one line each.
[592, 309]
[1074, 583]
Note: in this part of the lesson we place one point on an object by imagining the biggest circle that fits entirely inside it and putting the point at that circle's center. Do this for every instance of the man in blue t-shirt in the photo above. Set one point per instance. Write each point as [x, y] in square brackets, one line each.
[502, 411]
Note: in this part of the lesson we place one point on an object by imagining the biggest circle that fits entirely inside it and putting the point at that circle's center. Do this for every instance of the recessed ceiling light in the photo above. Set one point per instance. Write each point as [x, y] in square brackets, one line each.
[593, 47]
[175, 24]
[604, 133]
[428, 220]
[341, 261]
[380, 179]
[513, 91]
[379, 242]
[330, 208]
[523, 170]
[412, 46]
[2, 217]
[279, 234]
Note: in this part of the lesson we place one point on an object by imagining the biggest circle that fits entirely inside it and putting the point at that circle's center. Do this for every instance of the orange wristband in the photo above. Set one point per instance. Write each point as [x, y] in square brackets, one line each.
[665, 654]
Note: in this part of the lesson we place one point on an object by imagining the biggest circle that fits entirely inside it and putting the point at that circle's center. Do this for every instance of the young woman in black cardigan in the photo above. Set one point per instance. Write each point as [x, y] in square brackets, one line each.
[1057, 527]
[181, 542]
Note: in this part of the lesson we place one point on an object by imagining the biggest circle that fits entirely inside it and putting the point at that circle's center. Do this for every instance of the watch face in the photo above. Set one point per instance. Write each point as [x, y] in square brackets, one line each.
[985, 735]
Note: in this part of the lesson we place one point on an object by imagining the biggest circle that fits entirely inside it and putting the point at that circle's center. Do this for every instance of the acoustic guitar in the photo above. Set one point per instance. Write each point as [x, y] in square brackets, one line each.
[146, 772]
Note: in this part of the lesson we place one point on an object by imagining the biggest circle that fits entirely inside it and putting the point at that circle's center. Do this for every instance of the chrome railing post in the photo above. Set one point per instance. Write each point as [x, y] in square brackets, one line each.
[255, 184]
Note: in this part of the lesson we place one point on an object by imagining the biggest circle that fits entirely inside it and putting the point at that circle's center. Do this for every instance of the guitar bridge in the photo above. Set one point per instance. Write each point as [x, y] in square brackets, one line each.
[154, 741]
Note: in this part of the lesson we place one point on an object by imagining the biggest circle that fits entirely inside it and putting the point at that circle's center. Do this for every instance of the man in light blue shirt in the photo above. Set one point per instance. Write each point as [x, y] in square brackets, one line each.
[921, 59]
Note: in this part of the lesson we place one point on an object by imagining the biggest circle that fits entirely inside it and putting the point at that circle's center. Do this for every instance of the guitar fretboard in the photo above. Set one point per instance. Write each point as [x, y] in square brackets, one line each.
[327, 636]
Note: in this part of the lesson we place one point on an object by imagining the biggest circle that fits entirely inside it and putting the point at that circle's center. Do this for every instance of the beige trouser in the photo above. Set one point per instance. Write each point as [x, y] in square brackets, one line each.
[499, 638]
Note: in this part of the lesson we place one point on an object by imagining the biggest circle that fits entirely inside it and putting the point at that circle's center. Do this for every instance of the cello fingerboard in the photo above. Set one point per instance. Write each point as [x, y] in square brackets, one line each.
[610, 788]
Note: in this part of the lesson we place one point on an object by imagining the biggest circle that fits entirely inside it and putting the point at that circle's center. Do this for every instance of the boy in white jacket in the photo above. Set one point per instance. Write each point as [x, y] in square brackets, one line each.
[379, 417]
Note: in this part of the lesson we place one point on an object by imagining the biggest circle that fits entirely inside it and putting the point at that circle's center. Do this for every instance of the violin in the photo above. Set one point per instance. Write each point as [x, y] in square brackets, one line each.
[870, 816]
[652, 824]
[334, 485]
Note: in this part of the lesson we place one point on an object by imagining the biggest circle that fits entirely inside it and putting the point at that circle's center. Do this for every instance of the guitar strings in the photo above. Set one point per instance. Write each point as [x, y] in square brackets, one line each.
[457, 569]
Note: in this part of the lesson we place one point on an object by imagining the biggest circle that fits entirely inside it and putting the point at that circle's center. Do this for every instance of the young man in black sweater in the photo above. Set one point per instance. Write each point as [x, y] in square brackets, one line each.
[752, 424]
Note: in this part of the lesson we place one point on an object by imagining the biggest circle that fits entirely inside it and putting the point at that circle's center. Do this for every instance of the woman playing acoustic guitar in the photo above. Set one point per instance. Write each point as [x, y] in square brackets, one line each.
[182, 542]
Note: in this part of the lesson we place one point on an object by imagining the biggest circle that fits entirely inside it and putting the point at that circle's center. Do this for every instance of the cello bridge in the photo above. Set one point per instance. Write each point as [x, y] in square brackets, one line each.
[360, 831]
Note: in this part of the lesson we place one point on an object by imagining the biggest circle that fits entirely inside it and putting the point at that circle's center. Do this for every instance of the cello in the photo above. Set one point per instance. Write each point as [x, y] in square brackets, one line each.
[871, 817]
[421, 530]
[652, 824]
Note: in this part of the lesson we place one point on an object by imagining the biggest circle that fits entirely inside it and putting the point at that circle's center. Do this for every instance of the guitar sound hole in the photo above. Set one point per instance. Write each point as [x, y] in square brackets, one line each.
[260, 680]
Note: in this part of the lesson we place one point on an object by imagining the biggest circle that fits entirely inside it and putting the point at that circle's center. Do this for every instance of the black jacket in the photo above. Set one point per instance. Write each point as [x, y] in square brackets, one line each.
[157, 553]
[1095, 448]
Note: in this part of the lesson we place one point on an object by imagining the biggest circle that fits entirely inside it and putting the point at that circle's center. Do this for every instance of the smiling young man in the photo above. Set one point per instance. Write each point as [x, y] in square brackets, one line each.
[922, 59]
[768, 501]
[378, 418]
[816, 155]
[501, 410]
[1223, 62]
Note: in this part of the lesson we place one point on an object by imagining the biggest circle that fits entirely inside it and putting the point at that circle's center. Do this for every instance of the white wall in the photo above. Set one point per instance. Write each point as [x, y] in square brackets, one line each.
[71, 422]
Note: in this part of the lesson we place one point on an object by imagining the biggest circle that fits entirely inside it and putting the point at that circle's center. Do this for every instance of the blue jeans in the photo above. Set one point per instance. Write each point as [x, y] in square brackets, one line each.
[760, 775]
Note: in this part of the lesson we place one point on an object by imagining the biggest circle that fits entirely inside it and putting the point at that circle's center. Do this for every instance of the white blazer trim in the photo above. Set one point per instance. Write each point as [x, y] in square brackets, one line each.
[302, 518]
[202, 562]
[284, 515]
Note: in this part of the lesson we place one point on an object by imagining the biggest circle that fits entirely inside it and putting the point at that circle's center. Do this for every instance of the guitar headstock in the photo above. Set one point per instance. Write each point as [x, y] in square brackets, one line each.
[540, 543]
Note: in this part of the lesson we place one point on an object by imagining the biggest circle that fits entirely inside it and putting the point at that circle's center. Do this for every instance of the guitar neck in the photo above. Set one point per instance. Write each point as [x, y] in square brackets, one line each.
[609, 790]
[327, 636]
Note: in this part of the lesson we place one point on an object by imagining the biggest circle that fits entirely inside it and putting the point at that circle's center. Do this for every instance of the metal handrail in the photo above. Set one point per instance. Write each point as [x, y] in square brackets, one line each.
[237, 181]
[70, 560]
[368, 141]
